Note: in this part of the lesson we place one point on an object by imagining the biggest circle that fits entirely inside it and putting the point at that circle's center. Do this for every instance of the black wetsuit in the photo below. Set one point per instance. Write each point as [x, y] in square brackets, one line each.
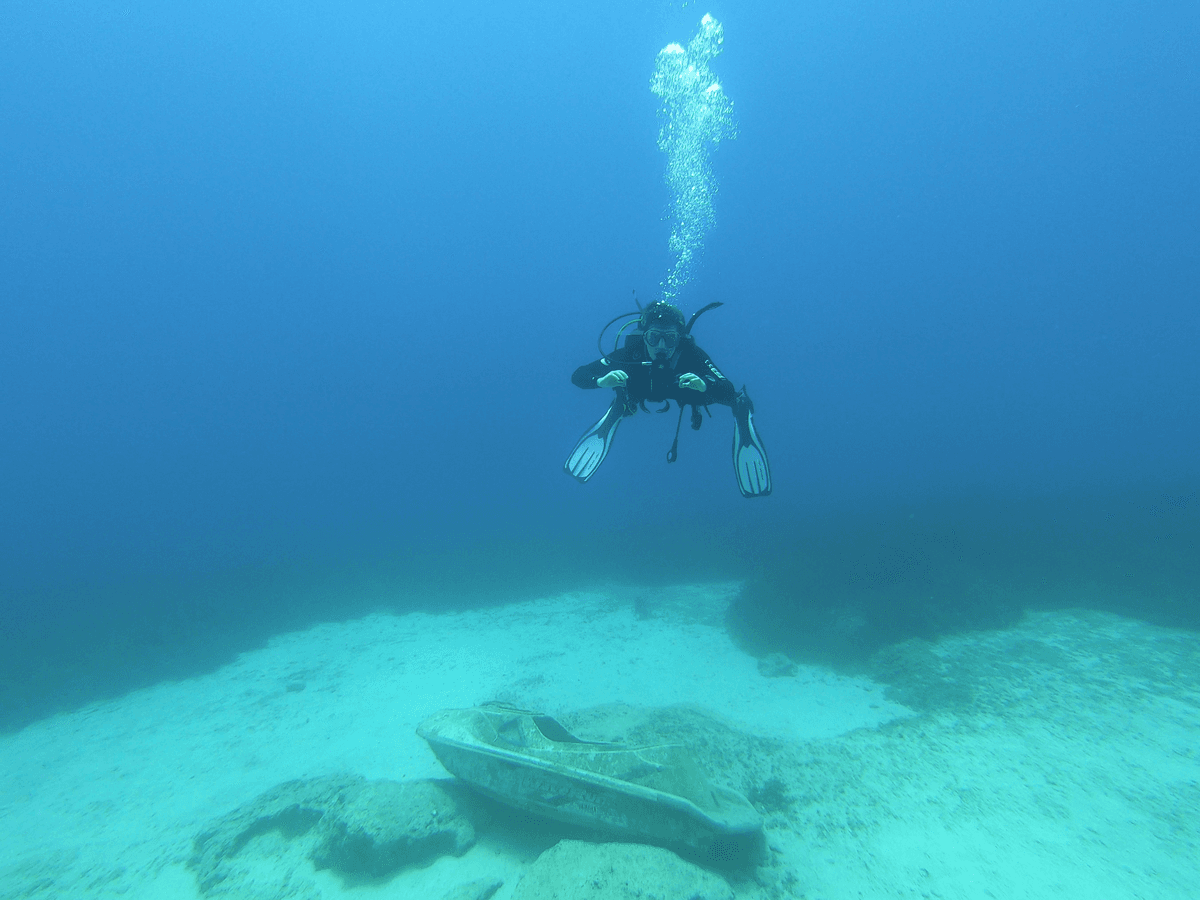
[656, 381]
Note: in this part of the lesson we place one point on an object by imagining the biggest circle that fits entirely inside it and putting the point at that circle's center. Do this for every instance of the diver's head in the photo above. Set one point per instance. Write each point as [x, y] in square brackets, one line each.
[662, 329]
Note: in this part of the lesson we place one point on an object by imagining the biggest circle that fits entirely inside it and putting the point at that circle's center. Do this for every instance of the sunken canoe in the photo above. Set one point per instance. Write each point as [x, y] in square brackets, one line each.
[529, 761]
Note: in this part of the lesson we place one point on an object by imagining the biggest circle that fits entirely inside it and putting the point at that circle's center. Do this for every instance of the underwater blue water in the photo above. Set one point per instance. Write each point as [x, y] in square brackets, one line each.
[288, 288]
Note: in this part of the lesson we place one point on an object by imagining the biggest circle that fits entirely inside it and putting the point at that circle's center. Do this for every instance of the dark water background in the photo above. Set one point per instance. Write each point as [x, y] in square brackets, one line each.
[290, 295]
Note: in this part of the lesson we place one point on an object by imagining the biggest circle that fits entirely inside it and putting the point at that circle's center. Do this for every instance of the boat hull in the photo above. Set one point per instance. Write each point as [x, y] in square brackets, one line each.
[654, 794]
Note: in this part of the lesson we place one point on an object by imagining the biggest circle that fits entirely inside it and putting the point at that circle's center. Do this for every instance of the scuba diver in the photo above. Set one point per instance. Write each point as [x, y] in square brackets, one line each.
[660, 362]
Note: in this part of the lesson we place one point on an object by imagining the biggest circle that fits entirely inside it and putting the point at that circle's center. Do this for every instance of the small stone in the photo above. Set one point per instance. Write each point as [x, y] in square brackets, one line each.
[776, 665]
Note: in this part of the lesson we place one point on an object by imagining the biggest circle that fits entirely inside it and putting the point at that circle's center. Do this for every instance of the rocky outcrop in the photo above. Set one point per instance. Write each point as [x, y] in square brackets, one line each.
[344, 823]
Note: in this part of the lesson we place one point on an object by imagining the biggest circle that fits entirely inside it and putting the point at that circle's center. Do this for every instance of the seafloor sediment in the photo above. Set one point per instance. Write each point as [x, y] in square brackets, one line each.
[1057, 758]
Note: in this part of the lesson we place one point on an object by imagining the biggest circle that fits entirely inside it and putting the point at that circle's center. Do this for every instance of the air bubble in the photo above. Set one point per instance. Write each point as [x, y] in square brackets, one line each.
[696, 116]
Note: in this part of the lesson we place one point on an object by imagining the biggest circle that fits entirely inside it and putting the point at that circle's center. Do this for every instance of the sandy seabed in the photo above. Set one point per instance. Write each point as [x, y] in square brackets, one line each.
[1059, 759]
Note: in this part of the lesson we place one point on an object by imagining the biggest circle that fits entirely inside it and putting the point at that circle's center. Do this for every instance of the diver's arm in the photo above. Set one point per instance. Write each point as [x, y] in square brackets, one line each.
[718, 388]
[588, 376]
[721, 390]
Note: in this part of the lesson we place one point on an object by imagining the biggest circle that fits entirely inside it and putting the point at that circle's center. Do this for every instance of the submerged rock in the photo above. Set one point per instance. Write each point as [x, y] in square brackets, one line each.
[576, 869]
[345, 823]
[384, 826]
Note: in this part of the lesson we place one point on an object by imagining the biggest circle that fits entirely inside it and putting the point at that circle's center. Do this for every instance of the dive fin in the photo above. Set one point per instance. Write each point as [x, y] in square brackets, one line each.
[749, 455]
[585, 459]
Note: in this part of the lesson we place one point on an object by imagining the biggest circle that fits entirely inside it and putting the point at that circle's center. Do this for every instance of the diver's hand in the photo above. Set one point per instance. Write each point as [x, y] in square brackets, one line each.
[612, 379]
[693, 382]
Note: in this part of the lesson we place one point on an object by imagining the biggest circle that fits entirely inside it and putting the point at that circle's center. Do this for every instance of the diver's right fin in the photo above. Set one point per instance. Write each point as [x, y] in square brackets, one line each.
[749, 455]
[585, 459]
